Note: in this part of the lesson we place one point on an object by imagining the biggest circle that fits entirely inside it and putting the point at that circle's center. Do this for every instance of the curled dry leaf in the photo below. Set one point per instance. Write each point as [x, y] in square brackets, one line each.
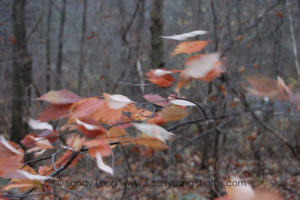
[153, 130]
[101, 165]
[116, 101]
[59, 97]
[185, 36]
[189, 47]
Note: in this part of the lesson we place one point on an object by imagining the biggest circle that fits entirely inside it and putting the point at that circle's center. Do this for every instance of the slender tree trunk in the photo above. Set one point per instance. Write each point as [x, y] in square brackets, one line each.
[60, 47]
[21, 71]
[81, 56]
[156, 31]
[48, 46]
[293, 37]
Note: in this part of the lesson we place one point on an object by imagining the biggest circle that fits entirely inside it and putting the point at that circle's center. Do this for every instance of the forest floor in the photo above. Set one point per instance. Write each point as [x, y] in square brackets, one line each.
[89, 182]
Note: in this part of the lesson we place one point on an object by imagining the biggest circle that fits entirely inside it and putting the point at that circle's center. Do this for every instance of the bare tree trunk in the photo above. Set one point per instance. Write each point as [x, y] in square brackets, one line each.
[81, 56]
[21, 71]
[48, 46]
[60, 47]
[156, 31]
[293, 37]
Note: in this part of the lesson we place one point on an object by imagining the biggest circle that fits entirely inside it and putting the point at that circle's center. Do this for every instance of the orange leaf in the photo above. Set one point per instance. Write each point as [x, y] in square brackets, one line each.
[161, 77]
[189, 47]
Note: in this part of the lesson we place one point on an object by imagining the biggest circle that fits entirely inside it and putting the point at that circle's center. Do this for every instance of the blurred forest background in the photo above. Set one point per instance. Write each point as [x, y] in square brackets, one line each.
[95, 46]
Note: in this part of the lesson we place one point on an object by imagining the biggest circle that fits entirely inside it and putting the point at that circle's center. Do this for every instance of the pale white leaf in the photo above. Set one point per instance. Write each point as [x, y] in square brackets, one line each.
[38, 125]
[117, 101]
[87, 126]
[27, 175]
[200, 66]
[181, 102]
[153, 130]
[185, 36]
[9, 146]
[102, 165]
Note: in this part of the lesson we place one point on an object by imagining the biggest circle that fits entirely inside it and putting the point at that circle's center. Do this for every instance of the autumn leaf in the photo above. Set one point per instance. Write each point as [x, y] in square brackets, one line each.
[98, 145]
[38, 125]
[106, 115]
[59, 97]
[266, 87]
[89, 127]
[189, 47]
[54, 112]
[185, 36]
[85, 107]
[101, 164]
[11, 158]
[173, 113]
[153, 130]
[156, 99]
[116, 101]
[161, 77]
[117, 132]
[199, 66]
[157, 119]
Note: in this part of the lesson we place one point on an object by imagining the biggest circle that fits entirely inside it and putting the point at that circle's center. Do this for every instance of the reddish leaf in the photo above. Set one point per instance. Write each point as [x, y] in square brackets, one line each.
[93, 132]
[98, 145]
[54, 112]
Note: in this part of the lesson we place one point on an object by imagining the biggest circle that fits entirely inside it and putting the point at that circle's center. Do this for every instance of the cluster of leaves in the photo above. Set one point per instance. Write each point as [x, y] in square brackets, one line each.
[94, 125]
[203, 67]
